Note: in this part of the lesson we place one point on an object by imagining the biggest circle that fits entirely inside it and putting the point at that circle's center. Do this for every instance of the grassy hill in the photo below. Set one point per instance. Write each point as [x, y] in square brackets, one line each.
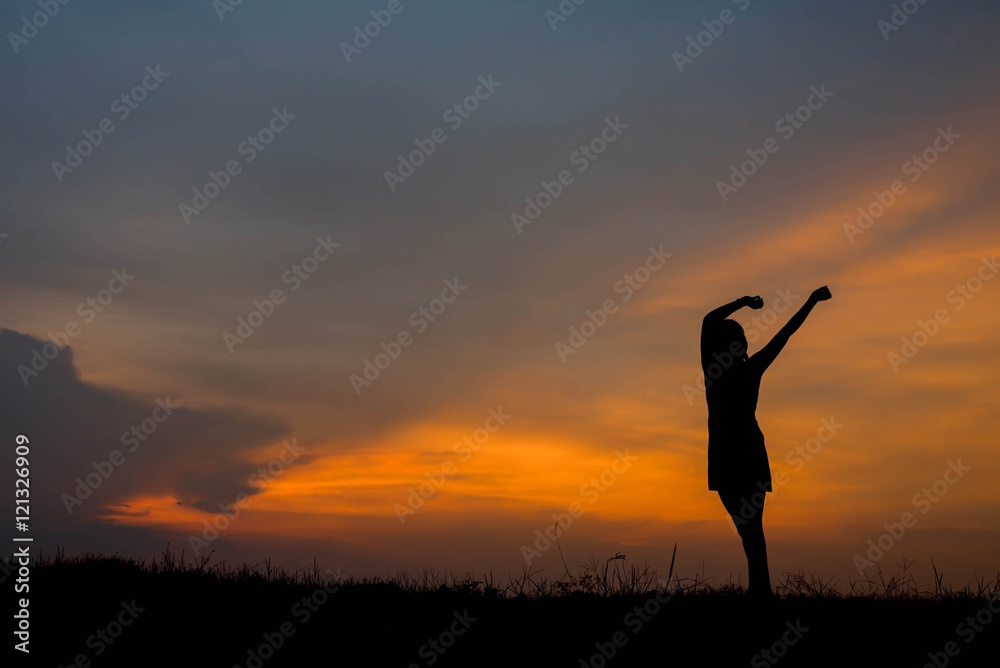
[115, 611]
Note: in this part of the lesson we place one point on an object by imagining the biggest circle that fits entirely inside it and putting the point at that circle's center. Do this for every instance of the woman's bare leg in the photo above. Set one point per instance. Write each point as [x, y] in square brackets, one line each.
[751, 530]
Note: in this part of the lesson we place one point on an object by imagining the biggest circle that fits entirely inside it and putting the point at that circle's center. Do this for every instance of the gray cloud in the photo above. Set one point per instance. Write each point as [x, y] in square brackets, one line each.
[197, 455]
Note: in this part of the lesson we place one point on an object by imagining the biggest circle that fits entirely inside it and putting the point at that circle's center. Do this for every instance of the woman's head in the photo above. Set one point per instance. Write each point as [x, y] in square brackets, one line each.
[728, 338]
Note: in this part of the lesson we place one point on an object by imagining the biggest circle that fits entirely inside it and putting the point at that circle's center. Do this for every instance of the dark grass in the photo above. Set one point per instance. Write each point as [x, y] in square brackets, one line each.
[204, 614]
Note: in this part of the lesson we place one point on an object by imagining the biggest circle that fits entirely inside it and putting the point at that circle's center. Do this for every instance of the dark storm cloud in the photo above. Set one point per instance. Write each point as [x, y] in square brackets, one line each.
[198, 456]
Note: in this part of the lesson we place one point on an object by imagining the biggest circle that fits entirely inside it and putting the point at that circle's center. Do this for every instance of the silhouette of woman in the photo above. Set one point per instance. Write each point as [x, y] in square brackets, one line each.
[737, 459]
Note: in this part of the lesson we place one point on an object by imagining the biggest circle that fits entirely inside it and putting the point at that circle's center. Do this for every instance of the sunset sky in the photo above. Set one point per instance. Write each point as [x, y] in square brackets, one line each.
[644, 226]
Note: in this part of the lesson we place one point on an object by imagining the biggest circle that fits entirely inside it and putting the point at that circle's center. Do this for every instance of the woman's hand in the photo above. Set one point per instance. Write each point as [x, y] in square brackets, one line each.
[754, 302]
[820, 294]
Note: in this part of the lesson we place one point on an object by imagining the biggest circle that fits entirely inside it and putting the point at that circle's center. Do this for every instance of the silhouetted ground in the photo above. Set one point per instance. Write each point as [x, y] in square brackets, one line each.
[185, 616]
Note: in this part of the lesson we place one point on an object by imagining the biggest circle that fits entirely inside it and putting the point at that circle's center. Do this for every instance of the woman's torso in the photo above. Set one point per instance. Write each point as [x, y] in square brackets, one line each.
[737, 457]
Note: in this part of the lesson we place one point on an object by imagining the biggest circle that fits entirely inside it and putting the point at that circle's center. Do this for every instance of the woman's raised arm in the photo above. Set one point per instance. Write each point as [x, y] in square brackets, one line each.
[732, 307]
[768, 353]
